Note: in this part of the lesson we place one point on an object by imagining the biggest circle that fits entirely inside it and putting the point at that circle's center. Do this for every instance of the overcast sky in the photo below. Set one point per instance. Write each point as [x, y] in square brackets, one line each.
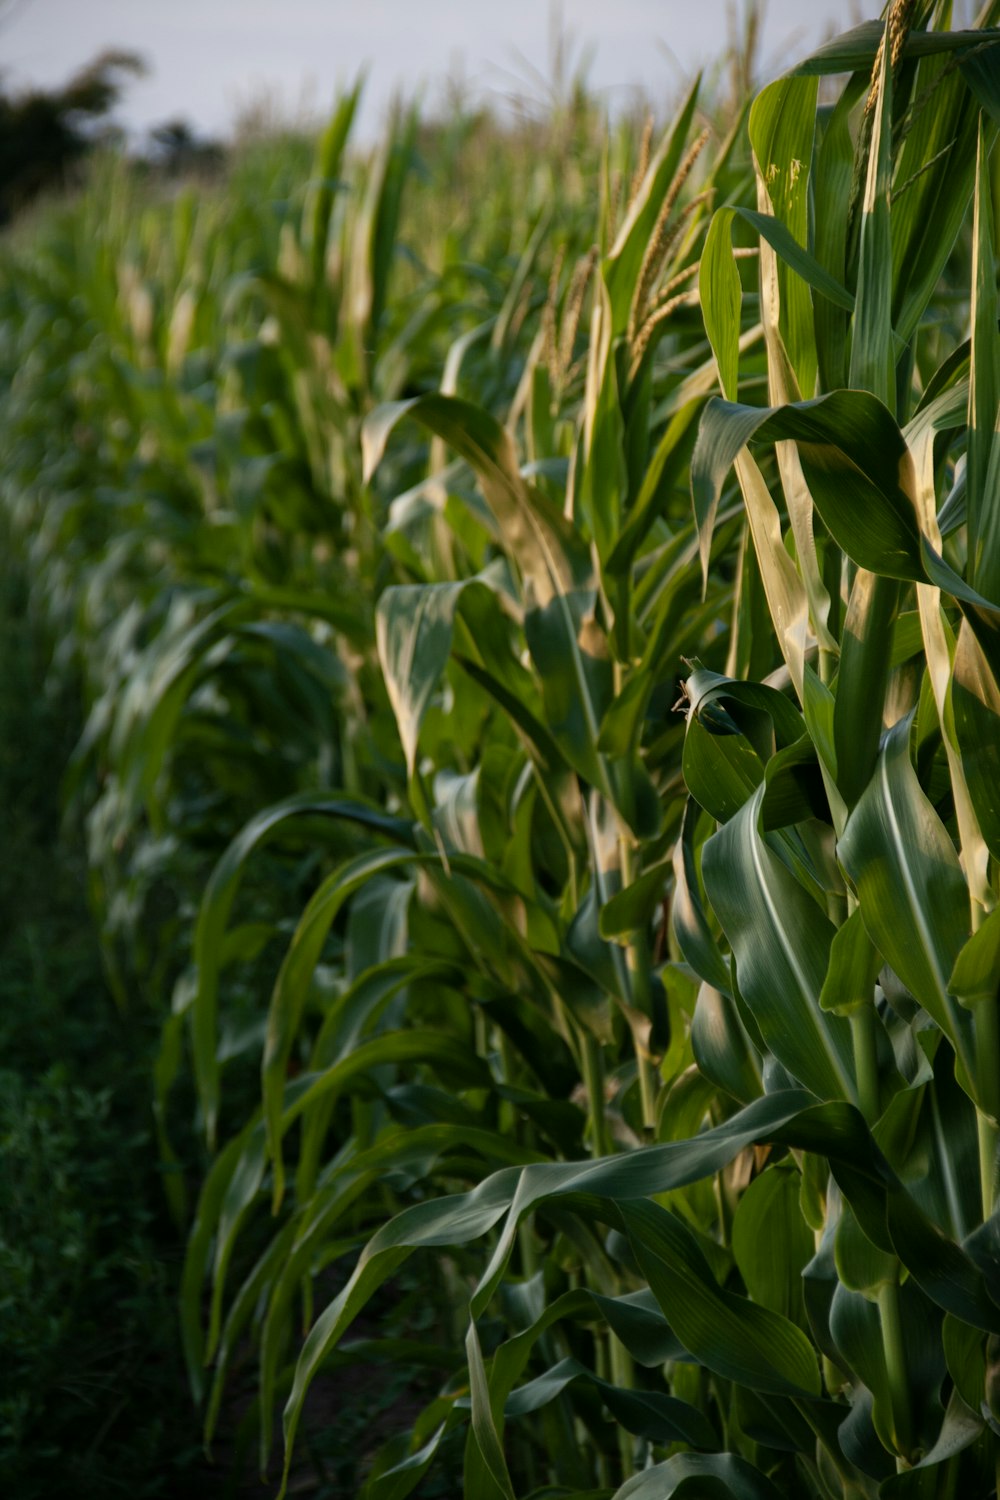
[209, 59]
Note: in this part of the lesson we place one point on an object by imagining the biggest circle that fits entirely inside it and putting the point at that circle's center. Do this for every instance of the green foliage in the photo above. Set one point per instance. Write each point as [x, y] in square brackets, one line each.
[668, 1052]
[85, 1327]
[91, 1398]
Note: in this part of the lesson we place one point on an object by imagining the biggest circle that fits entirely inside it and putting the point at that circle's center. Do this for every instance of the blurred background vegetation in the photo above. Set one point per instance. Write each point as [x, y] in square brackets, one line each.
[126, 306]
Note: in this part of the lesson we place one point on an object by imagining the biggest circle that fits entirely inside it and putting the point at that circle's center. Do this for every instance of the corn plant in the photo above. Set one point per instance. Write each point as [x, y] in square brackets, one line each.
[669, 1038]
[792, 1290]
[497, 936]
[864, 916]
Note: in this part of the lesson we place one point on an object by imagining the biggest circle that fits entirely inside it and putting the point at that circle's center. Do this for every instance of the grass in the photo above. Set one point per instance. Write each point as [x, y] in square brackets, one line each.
[92, 1392]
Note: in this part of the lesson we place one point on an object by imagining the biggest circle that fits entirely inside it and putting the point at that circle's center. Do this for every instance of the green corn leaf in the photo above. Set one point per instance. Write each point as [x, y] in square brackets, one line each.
[542, 545]
[446, 1052]
[794, 791]
[907, 637]
[772, 1243]
[831, 186]
[768, 718]
[781, 942]
[911, 892]
[670, 457]
[383, 1255]
[855, 462]
[835, 1129]
[719, 1476]
[733, 729]
[984, 384]
[374, 238]
[576, 678]
[720, 770]
[982, 615]
[632, 907]
[975, 705]
[399, 1480]
[980, 67]
[414, 626]
[245, 1178]
[413, 1151]
[854, 965]
[736, 1339]
[483, 649]
[959, 1429]
[861, 1266]
[935, 175]
[872, 365]
[854, 51]
[781, 126]
[625, 258]
[294, 977]
[793, 254]
[147, 712]
[240, 1312]
[638, 1322]
[856, 1332]
[930, 1135]
[329, 155]
[565, 643]
[722, 1047]
[661, 1419]
[413, 629]
[966, 1360]
[636, 1319]
[217, 902]
[944, 1271]
[976, 974]
[198, 1253]
[688, 915]
[865, 656]
[721, 299]
[662, 1168]
[602, 481]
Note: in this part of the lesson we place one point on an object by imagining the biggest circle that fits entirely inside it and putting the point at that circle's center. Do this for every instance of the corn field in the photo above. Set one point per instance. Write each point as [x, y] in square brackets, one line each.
[536, 600]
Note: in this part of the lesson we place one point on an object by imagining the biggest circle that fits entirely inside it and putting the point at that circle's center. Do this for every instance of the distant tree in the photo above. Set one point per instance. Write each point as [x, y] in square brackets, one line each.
[176, 150]
[43, 134]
